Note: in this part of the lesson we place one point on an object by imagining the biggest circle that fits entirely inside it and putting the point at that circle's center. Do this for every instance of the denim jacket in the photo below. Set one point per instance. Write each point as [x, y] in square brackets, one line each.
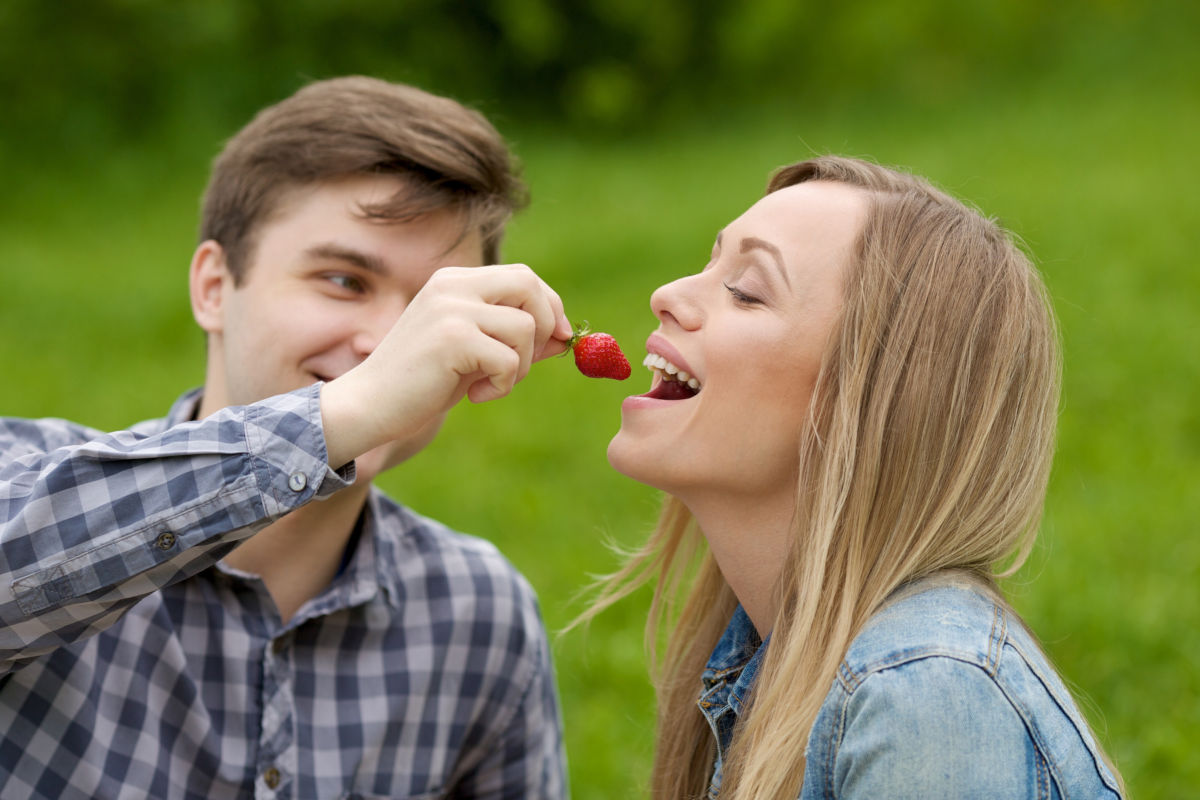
[943, 694]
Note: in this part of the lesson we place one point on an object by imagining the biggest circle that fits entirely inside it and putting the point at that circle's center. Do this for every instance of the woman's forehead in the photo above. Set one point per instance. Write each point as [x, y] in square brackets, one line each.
[804, 219]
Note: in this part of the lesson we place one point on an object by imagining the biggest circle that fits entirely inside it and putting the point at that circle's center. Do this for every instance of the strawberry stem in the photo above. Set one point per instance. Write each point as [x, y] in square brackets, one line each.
[581, 330]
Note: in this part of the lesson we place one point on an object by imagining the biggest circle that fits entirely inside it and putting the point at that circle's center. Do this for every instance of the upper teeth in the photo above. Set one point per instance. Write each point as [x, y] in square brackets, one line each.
[669, 371]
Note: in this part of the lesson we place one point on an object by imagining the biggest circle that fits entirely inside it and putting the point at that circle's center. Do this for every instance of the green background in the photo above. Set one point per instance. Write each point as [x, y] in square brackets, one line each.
[644, 128]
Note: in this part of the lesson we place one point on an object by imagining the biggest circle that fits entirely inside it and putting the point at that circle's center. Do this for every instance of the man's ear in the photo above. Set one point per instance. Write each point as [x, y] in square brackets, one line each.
[209, 280]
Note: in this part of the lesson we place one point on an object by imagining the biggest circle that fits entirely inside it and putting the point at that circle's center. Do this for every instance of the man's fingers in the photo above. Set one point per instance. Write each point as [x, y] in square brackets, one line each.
[513, 327]
[562, 326]
[518, 286]
[484, 324]
[553, 347]
[498, 366]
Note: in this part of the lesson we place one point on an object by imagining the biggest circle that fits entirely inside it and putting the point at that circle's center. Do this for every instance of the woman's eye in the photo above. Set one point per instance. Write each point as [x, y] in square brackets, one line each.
[741, 296]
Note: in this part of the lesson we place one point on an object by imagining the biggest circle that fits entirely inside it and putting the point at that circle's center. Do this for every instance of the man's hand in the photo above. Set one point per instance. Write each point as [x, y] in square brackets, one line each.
[473, 331]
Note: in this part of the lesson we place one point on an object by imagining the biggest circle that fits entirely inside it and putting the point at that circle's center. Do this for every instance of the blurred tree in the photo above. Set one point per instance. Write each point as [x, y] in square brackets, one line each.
[80, 72]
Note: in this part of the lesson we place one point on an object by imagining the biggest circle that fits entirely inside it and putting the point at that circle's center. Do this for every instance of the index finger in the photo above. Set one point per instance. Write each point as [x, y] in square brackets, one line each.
[519, 286]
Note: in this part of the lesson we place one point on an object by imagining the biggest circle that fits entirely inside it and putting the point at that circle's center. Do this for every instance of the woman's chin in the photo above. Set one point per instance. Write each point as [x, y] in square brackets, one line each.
[618, 457]
[635, 462]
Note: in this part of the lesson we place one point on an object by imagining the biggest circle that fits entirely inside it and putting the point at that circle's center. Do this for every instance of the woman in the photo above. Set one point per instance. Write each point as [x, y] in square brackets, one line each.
[853, 413]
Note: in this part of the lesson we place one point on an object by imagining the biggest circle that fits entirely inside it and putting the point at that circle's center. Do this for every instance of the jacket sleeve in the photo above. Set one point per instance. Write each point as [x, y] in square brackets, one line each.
[936, 727]
[89, 528]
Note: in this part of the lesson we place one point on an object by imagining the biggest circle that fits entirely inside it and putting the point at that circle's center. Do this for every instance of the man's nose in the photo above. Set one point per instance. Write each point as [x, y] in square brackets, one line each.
[372, 324]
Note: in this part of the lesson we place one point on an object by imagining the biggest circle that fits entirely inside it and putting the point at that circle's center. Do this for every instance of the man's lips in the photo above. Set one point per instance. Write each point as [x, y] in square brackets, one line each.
[324, 370]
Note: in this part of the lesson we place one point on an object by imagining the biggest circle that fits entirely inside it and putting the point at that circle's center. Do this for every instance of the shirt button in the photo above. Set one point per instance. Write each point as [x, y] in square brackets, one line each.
[165, 540]
[271, 777]
[297, 481]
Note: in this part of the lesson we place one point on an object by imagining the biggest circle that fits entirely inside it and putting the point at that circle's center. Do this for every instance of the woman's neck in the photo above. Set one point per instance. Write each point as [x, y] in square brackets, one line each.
[750, 539]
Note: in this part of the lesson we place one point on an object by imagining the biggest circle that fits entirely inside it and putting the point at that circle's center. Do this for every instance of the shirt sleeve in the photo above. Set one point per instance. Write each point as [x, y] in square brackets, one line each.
[935, 727]
[90, 527]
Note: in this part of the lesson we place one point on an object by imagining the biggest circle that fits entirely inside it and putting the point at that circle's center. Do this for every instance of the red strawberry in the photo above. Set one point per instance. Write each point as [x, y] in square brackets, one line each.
[598, 355]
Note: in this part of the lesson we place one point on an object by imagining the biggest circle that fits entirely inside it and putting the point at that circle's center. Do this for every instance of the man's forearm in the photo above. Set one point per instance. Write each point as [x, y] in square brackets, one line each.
[86, 530]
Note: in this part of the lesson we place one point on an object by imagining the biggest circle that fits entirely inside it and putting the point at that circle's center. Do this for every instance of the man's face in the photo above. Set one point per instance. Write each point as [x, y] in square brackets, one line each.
[321, 288]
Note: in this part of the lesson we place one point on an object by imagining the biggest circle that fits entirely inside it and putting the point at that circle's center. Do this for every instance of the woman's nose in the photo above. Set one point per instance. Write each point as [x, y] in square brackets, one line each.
[675, 302]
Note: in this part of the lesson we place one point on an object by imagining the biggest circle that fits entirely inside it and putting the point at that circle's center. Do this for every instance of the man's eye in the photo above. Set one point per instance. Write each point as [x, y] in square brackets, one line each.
[741, 296]
[346, 282]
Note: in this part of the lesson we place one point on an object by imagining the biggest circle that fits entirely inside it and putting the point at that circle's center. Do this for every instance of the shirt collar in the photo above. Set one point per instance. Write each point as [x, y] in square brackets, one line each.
[185, 408]
[383, 570]
[366, 571]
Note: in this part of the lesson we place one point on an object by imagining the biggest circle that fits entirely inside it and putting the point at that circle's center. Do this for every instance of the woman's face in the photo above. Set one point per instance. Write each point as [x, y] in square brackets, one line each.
[749, 330]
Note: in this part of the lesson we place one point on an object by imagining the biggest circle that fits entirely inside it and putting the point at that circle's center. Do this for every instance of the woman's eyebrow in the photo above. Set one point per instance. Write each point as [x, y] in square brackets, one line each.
[754, 243]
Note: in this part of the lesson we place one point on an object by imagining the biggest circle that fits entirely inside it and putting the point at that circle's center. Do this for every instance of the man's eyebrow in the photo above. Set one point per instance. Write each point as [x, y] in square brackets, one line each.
[339, 252]
[754, 243]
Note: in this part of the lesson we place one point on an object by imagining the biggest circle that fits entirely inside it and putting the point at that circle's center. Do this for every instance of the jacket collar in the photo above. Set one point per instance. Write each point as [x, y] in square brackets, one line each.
[737, 657]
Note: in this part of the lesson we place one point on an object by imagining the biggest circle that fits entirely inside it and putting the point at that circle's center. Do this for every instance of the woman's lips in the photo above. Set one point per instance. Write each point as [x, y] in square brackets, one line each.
[671, 390]
[661, 395]
[663, 392]
[657, 343]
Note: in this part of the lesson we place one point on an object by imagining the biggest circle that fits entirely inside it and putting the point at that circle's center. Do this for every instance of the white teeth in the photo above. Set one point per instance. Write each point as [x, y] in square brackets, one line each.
[654, 361]
[669, 371]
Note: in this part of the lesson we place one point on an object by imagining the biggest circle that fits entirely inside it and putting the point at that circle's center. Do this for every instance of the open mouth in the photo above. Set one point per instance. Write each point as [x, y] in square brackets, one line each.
[671, 382]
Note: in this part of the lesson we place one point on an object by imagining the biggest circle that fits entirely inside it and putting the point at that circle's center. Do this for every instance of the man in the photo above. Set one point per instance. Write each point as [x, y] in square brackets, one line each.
[218, 604]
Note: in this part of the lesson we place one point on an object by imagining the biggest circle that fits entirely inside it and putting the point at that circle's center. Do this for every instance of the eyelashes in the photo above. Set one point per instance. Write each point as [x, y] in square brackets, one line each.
[741, 297]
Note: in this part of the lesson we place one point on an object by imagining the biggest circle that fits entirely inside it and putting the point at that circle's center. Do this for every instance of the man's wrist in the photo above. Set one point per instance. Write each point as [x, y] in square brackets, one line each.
[346, 434]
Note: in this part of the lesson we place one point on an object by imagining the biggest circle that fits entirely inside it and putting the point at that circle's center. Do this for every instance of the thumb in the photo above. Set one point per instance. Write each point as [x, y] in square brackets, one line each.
[552, 347]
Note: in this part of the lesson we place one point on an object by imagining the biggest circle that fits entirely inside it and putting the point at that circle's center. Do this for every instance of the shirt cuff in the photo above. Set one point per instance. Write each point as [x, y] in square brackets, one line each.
[286, 438]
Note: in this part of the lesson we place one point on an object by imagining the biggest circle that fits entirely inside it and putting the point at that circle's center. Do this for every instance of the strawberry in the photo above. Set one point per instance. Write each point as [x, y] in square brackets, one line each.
[598, 355]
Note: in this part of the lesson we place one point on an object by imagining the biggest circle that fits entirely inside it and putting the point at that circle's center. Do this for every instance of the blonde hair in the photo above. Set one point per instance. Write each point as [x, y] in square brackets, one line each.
[929, 445]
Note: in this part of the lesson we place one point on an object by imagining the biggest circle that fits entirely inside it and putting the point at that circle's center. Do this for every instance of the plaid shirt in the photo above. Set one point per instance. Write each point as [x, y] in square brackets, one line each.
[134, 664]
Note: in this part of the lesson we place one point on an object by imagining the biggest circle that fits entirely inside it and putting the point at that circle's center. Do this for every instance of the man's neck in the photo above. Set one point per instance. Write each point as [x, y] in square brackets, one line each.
[298, 555]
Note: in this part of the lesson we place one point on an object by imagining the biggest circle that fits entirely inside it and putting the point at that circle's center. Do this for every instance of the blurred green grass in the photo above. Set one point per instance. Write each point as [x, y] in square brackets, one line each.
[1097, 177]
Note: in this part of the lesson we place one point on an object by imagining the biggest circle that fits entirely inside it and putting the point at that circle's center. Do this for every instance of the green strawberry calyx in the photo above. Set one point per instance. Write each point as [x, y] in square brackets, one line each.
[581, 330]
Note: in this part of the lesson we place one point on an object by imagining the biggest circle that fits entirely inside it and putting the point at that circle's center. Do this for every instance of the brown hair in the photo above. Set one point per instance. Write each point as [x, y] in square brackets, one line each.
[928, 448]
[451, 156]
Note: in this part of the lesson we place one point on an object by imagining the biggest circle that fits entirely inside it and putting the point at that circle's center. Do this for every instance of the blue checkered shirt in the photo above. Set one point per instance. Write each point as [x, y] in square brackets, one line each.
[134, 664]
